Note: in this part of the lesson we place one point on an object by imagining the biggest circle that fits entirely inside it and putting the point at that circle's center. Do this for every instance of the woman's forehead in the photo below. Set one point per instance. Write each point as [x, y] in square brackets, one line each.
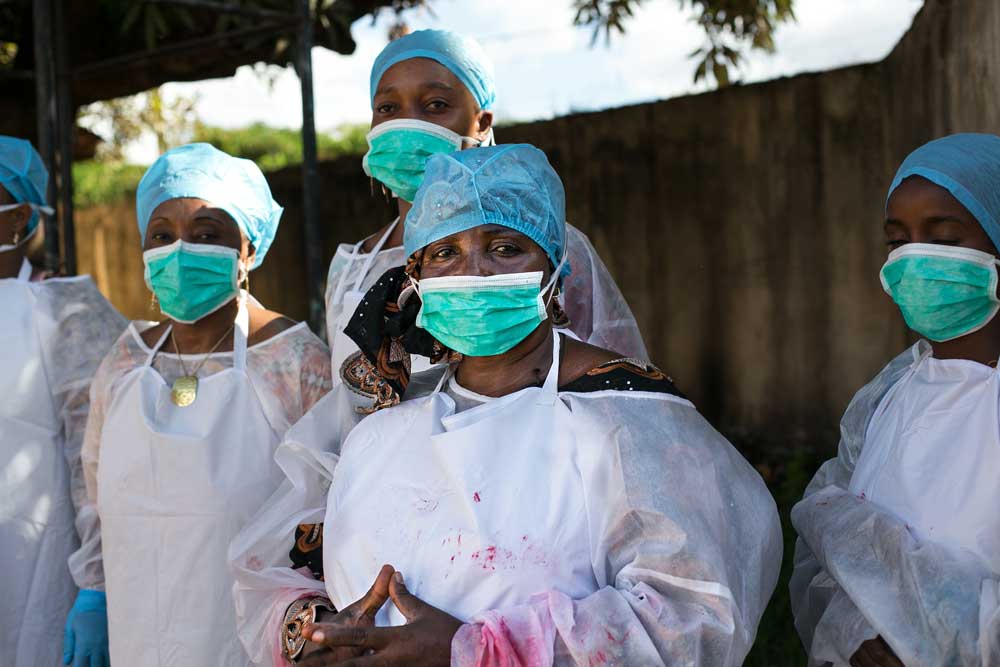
[416, 74]
[486, 231]
[186, 208]
[917, 196]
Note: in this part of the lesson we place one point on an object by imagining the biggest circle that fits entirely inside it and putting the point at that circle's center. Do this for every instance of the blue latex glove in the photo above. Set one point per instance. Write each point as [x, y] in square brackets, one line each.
[85, 638]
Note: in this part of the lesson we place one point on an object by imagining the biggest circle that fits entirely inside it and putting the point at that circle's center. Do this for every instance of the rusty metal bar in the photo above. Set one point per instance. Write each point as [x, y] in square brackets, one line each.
[66, 124]
[313, 231]
[45, 109]
[210, 41]
[224, 7]
[10, 74]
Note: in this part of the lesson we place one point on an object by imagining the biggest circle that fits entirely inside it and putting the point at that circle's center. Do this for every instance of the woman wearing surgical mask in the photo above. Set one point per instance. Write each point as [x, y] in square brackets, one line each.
[898, 558]
[550, 503]
[432, 92]
[186, 414]
[53, 334]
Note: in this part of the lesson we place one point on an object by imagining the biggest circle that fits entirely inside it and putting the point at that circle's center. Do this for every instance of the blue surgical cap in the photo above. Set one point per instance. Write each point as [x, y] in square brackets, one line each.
[511, 185]
[967, 166]
[22, 174]
[235, 185]
[462, 55]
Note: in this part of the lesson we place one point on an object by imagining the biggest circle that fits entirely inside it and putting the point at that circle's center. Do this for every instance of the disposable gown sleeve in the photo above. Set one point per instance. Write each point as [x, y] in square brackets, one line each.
[860, 573]
[87, 563]
[86, 326]
[686, 548]
[265, 583]
[597, 310]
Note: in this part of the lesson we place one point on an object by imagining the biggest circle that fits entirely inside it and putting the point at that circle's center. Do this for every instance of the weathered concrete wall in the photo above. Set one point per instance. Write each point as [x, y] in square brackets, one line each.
[744, 226]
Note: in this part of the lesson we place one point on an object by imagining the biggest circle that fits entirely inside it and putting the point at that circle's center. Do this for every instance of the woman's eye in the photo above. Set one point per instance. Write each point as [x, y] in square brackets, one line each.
[506, 249]
[384, 108]
[161, 236]
[443, 253]
[437, 105]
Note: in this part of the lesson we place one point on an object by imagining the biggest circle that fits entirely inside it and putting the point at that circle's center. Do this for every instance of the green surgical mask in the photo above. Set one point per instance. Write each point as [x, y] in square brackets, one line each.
[944, 292]
[398, 151]
[192, 280]
[482, 316]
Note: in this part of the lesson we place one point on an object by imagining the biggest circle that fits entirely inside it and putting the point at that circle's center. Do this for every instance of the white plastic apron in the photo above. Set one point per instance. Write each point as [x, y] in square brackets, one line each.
[350, 293]
[36, 512]
[932, 454]
[479, 510]
[174, 486]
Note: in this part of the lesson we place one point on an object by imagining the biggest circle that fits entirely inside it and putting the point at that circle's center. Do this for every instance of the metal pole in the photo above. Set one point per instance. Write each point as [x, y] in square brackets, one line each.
[45, 110]
[66, 118]
[310, 173]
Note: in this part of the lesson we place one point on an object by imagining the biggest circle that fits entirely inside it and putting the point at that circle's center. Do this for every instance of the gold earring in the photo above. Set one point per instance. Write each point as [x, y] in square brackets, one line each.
[154, 303]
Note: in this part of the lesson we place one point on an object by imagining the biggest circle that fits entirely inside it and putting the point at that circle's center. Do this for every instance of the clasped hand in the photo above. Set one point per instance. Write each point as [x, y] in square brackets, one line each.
[875, 653]
[350, 638]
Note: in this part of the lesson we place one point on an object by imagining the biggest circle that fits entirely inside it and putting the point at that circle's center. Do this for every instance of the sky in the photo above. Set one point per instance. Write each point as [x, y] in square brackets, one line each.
[545, 67]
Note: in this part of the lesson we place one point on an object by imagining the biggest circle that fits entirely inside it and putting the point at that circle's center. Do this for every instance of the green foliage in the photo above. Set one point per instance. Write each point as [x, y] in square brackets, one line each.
[273, 148]
[786, 470]
[730, 27]
[106, 181]
[778, 643]
[96, 182]
[8, 52]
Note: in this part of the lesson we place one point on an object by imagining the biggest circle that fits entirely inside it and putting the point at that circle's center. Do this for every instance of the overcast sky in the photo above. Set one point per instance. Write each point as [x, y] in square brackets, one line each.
[545, 67]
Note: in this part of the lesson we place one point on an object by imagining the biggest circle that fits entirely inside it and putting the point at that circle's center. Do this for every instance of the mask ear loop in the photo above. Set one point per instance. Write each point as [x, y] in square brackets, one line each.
[244, 282]
[551, 285]
[415, 283]
[480, 143]
[19, 240]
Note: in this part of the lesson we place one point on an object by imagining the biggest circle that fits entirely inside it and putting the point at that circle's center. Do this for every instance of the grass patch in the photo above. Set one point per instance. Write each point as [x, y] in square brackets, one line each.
[778, 644]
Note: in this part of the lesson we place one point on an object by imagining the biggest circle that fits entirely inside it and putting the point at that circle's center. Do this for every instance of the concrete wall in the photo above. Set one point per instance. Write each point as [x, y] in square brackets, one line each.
[744, 225]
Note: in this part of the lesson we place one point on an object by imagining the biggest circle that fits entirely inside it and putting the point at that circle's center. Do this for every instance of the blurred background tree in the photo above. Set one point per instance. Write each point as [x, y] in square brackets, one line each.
[131, 105]
[125, 120]
[125, 47]
[731, 27]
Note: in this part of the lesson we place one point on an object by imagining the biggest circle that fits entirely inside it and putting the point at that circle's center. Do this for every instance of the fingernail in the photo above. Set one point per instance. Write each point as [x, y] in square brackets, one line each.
[398, 577]
[318, 637]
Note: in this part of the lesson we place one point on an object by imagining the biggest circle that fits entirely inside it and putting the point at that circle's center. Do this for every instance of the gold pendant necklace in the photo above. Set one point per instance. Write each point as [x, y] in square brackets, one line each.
[184, 391]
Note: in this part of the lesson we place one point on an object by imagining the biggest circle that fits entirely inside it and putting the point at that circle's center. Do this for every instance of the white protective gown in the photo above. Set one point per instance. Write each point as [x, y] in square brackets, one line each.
[173, 485]
[53, 335]
[598, 312]
[611, 527]
[899, 536]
